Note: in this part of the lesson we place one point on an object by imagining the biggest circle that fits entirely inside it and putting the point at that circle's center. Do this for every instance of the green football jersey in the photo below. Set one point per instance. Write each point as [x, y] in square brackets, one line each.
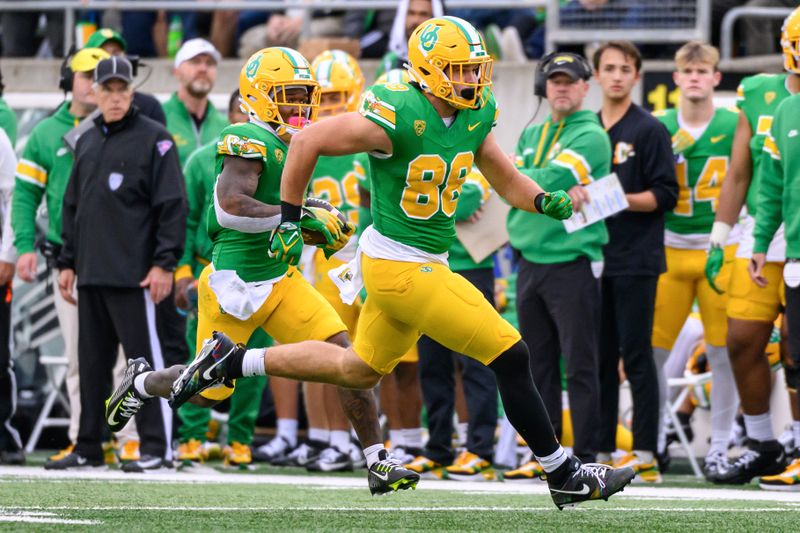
[246, 253]
[335, 179]
[415, 190]
[200, 179]
[758, 97]
[700, 167]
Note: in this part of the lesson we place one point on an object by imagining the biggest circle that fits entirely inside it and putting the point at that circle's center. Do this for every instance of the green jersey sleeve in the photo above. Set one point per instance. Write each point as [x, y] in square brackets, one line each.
[29, 188]
[770, 194]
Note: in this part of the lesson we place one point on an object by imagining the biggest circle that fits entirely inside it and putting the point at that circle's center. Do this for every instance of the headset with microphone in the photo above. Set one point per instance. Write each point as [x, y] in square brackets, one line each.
[540, 79]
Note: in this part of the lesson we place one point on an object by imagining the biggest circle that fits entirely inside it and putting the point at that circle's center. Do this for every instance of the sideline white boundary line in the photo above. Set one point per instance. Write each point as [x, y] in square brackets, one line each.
[11, 474]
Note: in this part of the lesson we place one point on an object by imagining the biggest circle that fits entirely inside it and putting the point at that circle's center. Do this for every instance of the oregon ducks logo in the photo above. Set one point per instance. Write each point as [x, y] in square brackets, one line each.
[419, 127]
[279, 155]
[252, 67]
[429, 37]
[769, 97]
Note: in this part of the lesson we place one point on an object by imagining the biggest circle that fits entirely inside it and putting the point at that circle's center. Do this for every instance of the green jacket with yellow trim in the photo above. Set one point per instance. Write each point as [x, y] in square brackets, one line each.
[43, 170]
[560, 155]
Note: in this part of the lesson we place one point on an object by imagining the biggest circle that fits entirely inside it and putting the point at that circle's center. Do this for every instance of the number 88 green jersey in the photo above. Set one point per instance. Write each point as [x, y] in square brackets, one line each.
[415, 190]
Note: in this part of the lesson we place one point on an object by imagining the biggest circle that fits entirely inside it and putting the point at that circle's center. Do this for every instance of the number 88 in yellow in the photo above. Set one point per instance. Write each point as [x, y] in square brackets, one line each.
[422, 196]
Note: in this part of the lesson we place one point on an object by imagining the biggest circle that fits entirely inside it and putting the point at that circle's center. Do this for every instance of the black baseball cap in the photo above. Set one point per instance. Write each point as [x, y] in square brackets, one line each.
[113, 68]
[569, 64]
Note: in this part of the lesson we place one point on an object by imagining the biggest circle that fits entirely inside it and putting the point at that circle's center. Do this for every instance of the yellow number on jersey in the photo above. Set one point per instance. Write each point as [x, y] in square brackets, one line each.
[337, 193]
[706, 189]
[422, 197]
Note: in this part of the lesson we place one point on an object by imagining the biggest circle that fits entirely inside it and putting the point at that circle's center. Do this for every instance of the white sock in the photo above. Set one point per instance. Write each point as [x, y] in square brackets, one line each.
[759, 427]
[340, 440]
[371, 454]
[412, 437]
[319, 434]
[554, 460]
[644, 455]
[461, 432]
[396, 438]
[660, 355]
[724, 398]
[253, 362]
[138, 385]
[796, 433]
[287, 428]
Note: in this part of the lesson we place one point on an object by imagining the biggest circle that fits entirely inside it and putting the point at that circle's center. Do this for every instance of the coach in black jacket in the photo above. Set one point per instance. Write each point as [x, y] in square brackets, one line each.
[123, 229]
[634, 255]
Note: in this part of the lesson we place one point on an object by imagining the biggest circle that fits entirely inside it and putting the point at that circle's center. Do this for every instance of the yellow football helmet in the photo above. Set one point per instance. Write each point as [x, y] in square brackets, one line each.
[263, 84]
[396, 75]
[337, 72]
[790, 42]
[447, 48]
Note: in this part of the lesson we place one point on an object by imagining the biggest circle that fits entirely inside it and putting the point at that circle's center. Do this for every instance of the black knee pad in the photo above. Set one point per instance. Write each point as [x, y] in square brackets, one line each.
[514, 360]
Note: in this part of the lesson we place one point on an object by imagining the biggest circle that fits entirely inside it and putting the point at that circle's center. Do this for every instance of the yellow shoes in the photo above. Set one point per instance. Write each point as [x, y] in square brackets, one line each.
[470, 467]
[237, 454]
[530, 472]
[62, 453]
[426, 468]
[190, 451]
[646, 472]
[129, 451]
[787, 481]
[212, 451]
[109, 453]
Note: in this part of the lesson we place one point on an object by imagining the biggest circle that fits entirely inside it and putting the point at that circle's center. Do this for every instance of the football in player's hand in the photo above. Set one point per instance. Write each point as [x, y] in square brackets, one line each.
[314, 238]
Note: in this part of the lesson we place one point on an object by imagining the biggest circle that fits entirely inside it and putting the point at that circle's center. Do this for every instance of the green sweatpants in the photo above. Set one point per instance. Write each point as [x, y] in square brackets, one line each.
[245, 402]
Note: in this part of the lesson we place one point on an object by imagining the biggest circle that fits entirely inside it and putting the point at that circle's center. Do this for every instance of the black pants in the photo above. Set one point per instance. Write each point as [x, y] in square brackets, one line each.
[626, 331]
[108, 317]
[9, 437]
[793, 324]
[436, 374]
[558, 306]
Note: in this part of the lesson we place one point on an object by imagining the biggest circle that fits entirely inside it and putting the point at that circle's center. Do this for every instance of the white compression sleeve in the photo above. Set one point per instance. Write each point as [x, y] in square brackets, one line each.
[724, 397]
[244, 224]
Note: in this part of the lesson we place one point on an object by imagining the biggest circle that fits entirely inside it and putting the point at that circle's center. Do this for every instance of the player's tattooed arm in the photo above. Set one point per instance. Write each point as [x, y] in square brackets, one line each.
[236, 186]
[509, 183]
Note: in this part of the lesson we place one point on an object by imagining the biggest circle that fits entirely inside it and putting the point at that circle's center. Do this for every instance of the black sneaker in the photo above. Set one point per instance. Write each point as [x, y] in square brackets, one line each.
[74, 461]
[125, 401]
[148, 463]
[331, 460]
[207, 369]
[277, 448]
[12, 457]
[590, 481]
[302, 456]
[387, 475]
[759, 459]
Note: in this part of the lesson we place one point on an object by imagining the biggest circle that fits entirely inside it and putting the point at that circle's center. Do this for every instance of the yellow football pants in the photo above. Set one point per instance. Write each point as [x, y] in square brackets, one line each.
[748, 301]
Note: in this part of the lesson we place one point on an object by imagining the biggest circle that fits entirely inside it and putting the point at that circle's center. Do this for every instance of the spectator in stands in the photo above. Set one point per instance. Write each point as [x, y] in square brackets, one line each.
[43, 172]
[10, 443]
[20, 36]
[8, 120]
[634, 255]
[191, 118]
[148, 31]
[759, 34]
[112, 42]
[121, 274]
[558, 289]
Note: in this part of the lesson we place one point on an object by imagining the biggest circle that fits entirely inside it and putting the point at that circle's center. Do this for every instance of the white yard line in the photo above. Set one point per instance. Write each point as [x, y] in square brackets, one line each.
[10, 474]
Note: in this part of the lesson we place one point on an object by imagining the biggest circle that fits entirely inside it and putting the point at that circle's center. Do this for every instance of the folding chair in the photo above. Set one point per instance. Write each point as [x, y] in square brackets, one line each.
[56, 369]
[687, 383]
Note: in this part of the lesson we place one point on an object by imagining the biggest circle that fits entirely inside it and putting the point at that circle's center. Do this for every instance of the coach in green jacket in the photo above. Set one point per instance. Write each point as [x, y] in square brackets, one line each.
[191, 119]
[558, 290]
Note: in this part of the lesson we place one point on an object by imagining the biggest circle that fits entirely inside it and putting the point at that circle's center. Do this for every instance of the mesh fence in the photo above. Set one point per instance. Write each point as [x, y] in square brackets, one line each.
[629, 14]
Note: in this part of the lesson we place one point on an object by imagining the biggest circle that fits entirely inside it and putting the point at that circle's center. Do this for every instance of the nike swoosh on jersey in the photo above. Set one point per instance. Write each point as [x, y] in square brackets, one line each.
[61, 151]
[473, 126]
[718, 138]
[584, 490]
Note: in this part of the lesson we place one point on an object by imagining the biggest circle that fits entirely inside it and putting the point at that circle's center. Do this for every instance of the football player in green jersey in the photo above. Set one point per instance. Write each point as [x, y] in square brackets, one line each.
[702, 137]
[753, 308]
[423, 138]
[245, 288]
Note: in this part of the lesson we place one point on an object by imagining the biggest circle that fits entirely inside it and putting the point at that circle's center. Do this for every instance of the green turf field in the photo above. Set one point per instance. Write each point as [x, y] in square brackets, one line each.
[259, 502]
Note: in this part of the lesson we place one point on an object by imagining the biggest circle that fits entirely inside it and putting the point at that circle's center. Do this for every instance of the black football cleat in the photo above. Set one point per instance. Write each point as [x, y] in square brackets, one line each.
[387, 475]
[590, 481]
[208, 369]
